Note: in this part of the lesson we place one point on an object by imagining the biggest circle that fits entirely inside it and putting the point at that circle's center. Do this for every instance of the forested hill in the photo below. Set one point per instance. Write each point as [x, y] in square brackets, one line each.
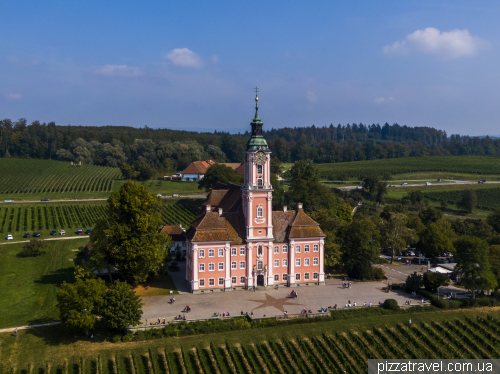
[175, 149]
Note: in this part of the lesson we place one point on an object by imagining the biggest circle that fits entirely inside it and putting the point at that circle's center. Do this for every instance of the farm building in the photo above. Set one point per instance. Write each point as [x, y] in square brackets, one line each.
[178, 239]
[196, 171]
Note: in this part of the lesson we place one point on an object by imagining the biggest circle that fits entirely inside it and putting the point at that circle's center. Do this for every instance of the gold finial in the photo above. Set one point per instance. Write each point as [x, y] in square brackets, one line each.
[256, 98]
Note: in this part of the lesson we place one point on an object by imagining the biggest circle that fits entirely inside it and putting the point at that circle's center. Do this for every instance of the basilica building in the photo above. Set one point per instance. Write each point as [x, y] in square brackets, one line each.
[239, 242]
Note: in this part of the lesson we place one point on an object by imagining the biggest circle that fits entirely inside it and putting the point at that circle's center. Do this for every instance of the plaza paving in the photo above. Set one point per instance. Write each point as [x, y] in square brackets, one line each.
[267, 302]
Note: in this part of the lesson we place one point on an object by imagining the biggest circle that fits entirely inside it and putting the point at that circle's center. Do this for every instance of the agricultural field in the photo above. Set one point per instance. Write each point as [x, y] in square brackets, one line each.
[166, 188]
[481, 166]
[341, 346]
[17, 219]
[46, 177]
[487, 198]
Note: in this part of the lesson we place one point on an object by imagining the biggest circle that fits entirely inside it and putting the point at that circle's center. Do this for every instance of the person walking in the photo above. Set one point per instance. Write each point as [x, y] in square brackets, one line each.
[15, 332]
[409, 322]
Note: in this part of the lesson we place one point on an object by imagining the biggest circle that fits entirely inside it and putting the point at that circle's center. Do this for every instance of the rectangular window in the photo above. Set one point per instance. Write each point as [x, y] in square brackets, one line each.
[221, 266]
[297, 276]
[211, 267]
[276, 277]
[315, 275]
[259, 169]
[242, 279]
[211, 252]
[315, 248]
[233, 251]
[285, 277]
[202, 282]
[306, 262]
[242, 251]
[276, 263]
[297, 249]
[276, 250]
[242, 264]
[221, 281]
[306, 248]
[183, 244]
[260, 211]
[260, 265]
[233, 265]
[233, 280]
[297, 262]
[202, 267]
[306, 276]
[221, 252]
[211, 282]
[315, 261]
[201, 253]
[285, 262]
[285, 249]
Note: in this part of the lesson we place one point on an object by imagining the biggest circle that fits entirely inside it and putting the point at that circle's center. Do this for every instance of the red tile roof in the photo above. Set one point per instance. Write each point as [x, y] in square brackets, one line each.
[176, 232]
[201, 167]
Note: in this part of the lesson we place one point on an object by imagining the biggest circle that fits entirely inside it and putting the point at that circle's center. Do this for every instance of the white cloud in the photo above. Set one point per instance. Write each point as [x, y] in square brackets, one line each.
[380, 100]
[14, 96]
[184, 57]
[120, 70]
[311, 97]
[431, 41]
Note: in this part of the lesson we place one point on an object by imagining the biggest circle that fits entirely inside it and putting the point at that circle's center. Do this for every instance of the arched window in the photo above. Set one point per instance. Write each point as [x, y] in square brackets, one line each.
[260, 211]
[259, 183]
[260, 251]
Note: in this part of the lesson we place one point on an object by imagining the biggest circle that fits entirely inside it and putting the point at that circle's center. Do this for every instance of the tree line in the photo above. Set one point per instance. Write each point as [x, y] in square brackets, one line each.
[168, 150]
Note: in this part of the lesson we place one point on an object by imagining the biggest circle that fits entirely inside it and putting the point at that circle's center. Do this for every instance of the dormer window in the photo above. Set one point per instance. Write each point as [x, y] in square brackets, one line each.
[260, 211]
[259, 169]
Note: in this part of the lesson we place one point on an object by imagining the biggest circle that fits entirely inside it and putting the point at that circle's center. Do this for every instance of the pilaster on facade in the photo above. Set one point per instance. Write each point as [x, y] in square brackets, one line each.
[291, 252]
[321, 261]
[194, 285]
[250, 280]
[227, 264]
[270, 264]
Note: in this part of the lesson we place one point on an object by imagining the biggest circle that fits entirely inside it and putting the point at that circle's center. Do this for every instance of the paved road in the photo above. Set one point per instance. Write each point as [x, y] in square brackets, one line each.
[60, 238]
[421, 184]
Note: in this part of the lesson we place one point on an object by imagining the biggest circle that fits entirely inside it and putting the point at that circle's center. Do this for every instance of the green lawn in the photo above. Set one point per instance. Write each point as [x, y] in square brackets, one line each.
[166, 188]
[29, 285]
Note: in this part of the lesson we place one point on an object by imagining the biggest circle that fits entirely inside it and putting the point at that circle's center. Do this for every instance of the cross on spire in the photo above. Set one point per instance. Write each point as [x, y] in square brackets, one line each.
[256, 91]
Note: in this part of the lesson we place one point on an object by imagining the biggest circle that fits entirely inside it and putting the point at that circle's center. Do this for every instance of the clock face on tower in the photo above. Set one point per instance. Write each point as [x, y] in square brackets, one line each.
[260, 158]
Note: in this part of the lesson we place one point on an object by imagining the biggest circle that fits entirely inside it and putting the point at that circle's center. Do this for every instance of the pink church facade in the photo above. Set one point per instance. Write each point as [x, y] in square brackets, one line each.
[238, 242]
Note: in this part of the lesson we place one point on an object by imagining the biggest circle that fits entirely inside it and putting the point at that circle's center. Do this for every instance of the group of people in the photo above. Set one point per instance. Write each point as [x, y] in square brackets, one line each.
[349, 305]
[224, 314]
[187, 308]
[346, 284]
[243, 314]
[293, 294]
[159, 322]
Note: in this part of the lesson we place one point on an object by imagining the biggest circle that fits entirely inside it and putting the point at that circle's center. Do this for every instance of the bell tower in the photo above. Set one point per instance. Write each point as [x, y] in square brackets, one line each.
[257, 189]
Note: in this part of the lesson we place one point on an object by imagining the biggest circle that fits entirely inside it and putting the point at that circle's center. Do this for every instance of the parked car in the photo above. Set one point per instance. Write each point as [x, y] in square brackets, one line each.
[36, 235]
[62, 232]
[392, 185]
[175, 195]
[9, 237]
[45, 199]
[53, 232]
[415, 260]
[79, 232]
[442, 260]
[159, 195]
[359, 187]
[428, 183]
[451, 261]
[482, 181]
[27, 235]
[404, 184]
[88, 232]
[8, 201]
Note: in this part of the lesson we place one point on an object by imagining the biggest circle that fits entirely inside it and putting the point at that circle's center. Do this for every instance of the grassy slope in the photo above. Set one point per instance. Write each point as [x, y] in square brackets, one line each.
[29, 285]
[54, 345]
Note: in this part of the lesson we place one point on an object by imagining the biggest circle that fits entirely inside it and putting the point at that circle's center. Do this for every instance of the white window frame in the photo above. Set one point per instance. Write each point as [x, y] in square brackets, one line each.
[243, 279]
[315, 275]
[211, 265]
[233, 265]
[233, 280]
[221, 281]
[276, 250]
[233, 251]
[211, 253]
[306, 248]
[201, 268]
[243, 264]
[261, 263]
[285, 249]
[220, 267]
[297, 262]
[201, 282]
[297, 248]
[284, 262]
[221, 252]
[315, 261]
[306, 276]
[276, 277]
[201, 253]
[211, 281]
[242, 251]
[315, 248]
[297, 276]
[260, 211]
[276, 263]
[285, 277]
[259, 169]
[307, 262]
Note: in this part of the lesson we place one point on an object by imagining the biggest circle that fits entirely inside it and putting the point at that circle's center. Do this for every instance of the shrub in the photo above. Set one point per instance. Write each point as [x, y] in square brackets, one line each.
[34, 248]
[390, 304]
[127, 337]
[117, 338]
[434, 280]
[414, 282]
[378, 274]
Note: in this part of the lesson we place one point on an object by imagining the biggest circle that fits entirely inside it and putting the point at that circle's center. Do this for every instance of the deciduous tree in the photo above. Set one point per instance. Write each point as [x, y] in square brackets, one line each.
[219, 173]
[121, 307]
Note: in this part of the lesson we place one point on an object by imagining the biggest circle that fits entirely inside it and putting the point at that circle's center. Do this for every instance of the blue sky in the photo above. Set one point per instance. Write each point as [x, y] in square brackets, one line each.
[194, 64]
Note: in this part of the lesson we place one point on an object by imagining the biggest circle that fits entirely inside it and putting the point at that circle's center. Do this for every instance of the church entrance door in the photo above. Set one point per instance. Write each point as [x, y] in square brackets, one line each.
[260, 280]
